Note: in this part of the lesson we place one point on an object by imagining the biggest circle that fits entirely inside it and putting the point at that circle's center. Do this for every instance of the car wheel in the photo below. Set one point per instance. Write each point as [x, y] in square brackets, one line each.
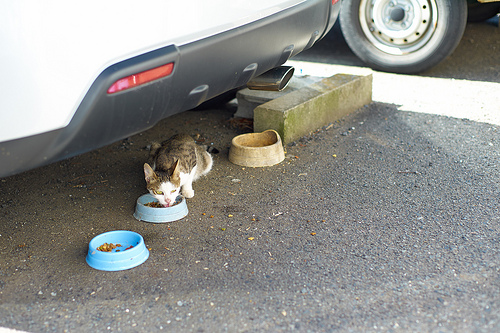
[478, 12]
[403, 36]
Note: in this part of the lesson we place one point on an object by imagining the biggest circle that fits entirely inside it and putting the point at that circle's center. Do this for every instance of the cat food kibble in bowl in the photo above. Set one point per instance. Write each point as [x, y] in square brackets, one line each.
[108, 247]
[156, 204]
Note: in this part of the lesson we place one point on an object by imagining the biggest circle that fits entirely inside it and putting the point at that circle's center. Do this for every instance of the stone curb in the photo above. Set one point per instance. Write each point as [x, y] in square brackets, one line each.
[300, 112]
[249, 99]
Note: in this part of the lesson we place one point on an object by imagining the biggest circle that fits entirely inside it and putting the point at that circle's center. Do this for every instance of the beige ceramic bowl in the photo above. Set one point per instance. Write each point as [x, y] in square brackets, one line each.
[257, 149]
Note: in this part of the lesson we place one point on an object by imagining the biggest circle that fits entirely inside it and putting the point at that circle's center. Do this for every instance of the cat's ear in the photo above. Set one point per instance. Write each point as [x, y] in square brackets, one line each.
[175, 169]
[148, 172]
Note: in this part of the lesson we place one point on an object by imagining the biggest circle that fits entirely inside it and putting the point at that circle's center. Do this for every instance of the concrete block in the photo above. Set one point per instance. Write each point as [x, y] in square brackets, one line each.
[305, 110]
[249, 99]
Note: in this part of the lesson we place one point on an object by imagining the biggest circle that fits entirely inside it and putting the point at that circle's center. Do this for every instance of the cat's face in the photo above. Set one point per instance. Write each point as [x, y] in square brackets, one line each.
[164, 187]
[165, 193]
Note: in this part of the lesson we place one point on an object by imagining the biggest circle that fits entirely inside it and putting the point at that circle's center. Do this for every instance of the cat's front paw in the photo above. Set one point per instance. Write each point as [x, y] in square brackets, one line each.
[188, 193]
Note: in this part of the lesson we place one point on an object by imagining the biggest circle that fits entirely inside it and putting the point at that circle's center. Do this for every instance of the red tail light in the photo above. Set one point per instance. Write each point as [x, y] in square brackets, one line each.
[135, 80]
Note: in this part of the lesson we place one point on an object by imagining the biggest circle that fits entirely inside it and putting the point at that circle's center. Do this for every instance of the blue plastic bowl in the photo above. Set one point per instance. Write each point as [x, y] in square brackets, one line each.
[159, 215]
[120, 258]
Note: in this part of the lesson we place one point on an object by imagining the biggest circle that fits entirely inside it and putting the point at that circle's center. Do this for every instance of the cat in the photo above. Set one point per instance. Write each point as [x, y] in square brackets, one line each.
[173, 165]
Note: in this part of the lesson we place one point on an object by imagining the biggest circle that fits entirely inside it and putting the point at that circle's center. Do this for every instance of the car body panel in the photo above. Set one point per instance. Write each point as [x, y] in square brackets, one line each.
[56, 93]
[60, 46]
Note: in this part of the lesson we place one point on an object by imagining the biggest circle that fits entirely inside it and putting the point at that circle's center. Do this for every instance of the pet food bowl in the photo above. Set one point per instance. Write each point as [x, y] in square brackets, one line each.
[130, 251]
[257, 149]
[159, 215]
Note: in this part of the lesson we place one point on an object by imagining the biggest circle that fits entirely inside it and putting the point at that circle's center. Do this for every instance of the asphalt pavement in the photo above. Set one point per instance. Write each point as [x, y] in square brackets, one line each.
[385, 221]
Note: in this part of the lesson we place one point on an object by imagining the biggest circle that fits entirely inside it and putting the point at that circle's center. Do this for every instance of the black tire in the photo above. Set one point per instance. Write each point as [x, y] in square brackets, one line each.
[391, 38]
[479, 12]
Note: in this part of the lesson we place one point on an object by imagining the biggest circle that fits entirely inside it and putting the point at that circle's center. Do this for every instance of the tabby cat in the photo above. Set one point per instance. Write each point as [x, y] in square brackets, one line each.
[174, 165]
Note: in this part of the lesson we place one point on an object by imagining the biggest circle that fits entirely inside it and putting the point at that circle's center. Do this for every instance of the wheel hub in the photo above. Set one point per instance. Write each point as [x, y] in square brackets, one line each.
[397, 14]
[398, 26]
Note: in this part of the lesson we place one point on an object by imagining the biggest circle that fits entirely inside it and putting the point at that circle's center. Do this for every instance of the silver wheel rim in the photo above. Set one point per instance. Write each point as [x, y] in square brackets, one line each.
[398, 27]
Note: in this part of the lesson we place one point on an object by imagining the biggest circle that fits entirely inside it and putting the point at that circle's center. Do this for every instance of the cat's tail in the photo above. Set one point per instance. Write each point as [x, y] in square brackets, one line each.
[154, 148]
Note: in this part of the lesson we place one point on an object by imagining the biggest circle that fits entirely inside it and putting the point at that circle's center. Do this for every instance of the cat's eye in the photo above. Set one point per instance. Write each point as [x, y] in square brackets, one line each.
[173, 191]
[158, 192]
